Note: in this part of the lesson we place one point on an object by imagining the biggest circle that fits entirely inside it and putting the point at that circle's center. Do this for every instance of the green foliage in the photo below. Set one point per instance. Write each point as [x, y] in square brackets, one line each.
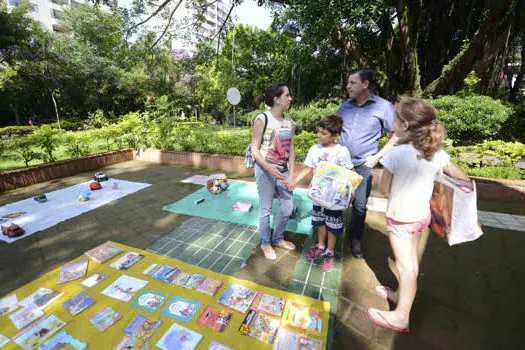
[97, 120]
[77, 143]
[10, 131]
[514, 127]
[307, 118]
[302, 143]
[471, 81]
[496, 172]
[47, 139]
[24, 148]
[471, 119]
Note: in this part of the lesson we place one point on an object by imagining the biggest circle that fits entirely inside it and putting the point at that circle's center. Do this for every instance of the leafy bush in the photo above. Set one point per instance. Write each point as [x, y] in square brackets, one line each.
[496, 172]
[47, 139]
[471, 119]
[514, 127]
[77, 144]
[68, 125]
[24, 148]
[97, 120]
[9, 131]
[307, 119]
[302, 143]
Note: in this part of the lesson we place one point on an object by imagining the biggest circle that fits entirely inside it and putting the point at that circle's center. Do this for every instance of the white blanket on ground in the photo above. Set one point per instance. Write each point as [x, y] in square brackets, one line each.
[62, 205]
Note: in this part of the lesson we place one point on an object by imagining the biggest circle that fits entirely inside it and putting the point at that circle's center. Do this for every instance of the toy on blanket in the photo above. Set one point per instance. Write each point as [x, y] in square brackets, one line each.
[217, 183]
[95, 185]
[100, 176]
[83, 196]
[12, 230]
[41, 198]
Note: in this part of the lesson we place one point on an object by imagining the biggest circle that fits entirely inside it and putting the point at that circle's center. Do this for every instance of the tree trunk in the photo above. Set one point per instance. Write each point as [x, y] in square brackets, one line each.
[14, 107]
[56, 109]
[515, 88]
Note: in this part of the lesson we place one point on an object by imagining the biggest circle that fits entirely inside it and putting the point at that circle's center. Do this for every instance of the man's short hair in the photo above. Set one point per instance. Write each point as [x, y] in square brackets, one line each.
[333, 123]
[364, 74]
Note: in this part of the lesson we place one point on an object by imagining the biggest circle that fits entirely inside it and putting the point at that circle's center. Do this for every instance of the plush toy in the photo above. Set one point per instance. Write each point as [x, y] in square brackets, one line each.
[83, 196]
[95, 185]
[217, 183]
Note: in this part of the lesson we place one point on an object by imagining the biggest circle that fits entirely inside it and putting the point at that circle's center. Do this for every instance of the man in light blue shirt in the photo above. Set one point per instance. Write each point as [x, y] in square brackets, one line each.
[365, 116]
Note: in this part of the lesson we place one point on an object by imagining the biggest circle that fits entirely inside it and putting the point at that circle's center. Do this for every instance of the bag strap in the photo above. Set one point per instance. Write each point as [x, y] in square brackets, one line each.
[265, 124]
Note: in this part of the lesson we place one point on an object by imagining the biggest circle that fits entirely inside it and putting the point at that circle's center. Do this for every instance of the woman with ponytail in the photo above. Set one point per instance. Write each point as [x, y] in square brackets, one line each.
[408, 175]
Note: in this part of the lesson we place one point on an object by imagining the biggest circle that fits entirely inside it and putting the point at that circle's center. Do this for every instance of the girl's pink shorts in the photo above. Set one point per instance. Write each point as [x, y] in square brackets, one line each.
[405, 230]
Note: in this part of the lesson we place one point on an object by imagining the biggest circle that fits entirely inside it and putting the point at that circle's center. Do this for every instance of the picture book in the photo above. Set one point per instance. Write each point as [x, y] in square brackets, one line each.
[194, 281]
[181, 278]
[104, 252]
[164, 273]
[142, 327]
[78, 303]
[14, 215]
[181, 309]
[124, 288]
[269, 304]
[126, 261]
[37, 334]
[104, 318]
[93, 280]
[149, 269]
[210, 286]
[41, 298]
[215, 319]
[26, 315]
[63, 341]
[242, 206]
[303, 318]
[178, 337]
[131, 343]
[237, 297]
[3, 340]
[260, 326]
[149, 300]
[73, 271]
[8, 304]
[288, 340]
[216, 346]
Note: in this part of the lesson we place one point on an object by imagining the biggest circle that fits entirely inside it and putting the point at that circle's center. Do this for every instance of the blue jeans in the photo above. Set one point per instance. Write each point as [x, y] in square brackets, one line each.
[268, 186]
[357, 225]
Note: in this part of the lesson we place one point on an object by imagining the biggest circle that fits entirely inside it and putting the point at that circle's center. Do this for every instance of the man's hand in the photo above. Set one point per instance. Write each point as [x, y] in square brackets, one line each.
[273, 169]
[371, 161]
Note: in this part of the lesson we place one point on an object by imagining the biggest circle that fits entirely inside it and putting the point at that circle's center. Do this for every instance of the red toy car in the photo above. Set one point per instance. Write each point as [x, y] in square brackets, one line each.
[12, 230]
[95, 186]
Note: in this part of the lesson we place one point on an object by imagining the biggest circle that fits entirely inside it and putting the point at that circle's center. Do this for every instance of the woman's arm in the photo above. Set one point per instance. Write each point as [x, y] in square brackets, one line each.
[385, 182]
[453, 171]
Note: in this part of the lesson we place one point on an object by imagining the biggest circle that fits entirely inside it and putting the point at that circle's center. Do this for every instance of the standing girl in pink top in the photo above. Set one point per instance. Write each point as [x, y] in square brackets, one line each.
[409, 172]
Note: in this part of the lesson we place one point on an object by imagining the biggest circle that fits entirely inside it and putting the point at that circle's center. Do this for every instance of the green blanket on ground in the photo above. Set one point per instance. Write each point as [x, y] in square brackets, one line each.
[219, 207]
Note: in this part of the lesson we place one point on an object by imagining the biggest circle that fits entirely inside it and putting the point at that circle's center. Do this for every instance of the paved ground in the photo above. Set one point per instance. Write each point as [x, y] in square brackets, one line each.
[468, 298]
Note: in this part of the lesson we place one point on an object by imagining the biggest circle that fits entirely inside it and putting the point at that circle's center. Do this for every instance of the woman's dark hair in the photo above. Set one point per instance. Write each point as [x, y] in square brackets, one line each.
[333, 123]
[275, 89]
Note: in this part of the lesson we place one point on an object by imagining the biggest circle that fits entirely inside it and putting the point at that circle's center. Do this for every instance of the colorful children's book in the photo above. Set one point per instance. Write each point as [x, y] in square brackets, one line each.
[37, 334]
[73, 271]
[104, 318]
[303, 318]
[126, 261]
[194, 281]
[41, 298]
[3, 340]
[63, 341]
[260, 326]
[288, 340]
[26, 315]
[14, 215]
[237, 297]
[149, 300]
[181, 309]
[216, 346]
[164, 273]
[269, 304]
[210, 286]
[78, 303]
[8, 304]
[142, 327]
[104, 252]
[124, 288]
[215, 318]
[149, 269]
[131, 343]
[242, 206]
[181, 278]
[178, 337]
[93, 280]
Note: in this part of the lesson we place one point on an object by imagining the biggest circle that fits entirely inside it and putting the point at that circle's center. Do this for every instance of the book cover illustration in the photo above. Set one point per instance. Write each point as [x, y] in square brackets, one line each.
[194, 281]
[124, 288]
[14, 215]
[181, 278]
[242, 206]
[178, 337]
[63, 341]
[8, 304]
[142, 327]
[93, 280]
[288, 340]
[210, 286]
[37, 334]
[3, 340]
[149, 269]
[73, 271]
[26, 315]
[216, 346]
[181, 309]
[104, 318]
[269, 304]
[41, 298]
[215, 319]
[126, 261]
[149, 300]
[164, 273]
[303, 318]
[78, 303]
[237, 297]
[104, 252]
[130, 343]
[260, 326]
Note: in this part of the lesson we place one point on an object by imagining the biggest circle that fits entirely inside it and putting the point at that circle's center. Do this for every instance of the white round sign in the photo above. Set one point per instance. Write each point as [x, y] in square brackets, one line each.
[234, 96]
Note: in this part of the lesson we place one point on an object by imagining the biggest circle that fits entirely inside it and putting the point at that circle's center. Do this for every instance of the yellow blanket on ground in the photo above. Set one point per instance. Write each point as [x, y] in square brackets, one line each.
[80, 328]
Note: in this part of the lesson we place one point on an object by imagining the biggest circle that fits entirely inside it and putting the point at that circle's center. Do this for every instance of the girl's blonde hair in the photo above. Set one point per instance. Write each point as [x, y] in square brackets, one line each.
[424, 130]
